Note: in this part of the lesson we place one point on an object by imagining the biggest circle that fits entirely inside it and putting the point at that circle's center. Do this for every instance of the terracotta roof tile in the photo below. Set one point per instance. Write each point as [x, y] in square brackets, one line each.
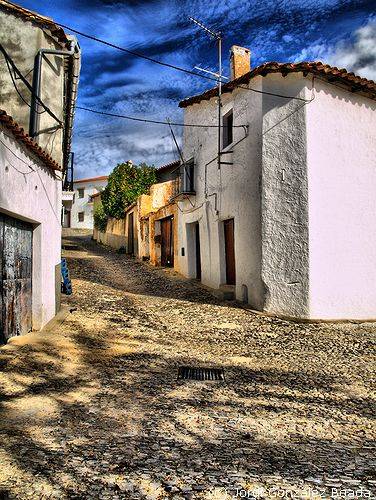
[21, 136]
[31, 16]
[330, 73]
[168, 166]
[99, 178]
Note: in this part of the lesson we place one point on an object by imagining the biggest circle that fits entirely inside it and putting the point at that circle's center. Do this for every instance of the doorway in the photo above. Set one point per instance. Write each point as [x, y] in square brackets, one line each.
[130, 235]
[167, 242]
[198, 251]
[67, 218]
[229, 251]
[16, 254]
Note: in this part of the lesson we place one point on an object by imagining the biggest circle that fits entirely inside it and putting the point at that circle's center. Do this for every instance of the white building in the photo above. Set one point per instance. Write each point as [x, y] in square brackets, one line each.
[288, 220]
[33, 165]
[81, 214]
[30, 233]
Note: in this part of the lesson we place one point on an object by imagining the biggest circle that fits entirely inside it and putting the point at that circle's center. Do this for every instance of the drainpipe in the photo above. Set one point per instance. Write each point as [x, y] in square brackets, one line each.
[34, 107]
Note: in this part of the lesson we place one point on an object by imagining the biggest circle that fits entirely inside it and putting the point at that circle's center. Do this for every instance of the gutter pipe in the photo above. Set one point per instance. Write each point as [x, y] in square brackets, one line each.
[34, 108]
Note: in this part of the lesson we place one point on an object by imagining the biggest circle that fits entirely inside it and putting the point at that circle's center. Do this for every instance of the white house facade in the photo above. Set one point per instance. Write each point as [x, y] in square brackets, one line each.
[30, 233]
[33, 164]
[287, 222]
[81, 213]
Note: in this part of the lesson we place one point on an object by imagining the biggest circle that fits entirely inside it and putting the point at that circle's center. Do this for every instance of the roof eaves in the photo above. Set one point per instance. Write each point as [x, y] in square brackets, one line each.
[21, 136]
[330, 73]
[89, 179]
[168, 166]
[56, 31]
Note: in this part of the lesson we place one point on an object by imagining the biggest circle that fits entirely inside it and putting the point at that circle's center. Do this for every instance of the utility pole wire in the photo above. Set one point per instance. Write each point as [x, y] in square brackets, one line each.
[145, 120]
[136, 54]
[168, 65]
[9, 60]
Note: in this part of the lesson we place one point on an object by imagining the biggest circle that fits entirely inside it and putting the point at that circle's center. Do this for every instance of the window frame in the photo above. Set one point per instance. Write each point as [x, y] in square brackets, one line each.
[188, 176]
[227, 132]
[81, 190]
[83, 216]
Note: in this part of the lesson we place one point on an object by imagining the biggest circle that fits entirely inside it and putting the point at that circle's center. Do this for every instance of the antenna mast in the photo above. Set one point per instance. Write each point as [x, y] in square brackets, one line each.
[217, 36]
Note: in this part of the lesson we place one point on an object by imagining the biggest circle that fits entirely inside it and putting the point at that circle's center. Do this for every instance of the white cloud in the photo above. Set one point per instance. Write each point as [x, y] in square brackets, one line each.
[315, 52]
[358, 55]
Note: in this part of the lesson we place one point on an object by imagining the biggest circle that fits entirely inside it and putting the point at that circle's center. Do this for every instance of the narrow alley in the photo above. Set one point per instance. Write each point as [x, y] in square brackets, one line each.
[93, 407]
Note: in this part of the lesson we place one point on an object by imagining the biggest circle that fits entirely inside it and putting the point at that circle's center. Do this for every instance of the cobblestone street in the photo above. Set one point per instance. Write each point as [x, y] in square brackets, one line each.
[93, 408]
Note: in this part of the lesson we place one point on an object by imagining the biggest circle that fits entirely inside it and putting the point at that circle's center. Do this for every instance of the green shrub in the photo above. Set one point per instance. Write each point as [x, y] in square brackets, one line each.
[100, 218]
[125, 184]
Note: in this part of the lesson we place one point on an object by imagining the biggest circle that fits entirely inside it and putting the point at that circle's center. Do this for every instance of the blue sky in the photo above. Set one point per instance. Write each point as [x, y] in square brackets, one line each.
[342, 33]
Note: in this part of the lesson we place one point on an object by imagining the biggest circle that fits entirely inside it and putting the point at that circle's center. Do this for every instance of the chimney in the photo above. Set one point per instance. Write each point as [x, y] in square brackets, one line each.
[240, 61]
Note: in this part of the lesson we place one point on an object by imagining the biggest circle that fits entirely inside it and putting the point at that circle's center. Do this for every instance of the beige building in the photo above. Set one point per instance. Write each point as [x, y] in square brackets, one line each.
[148, 230]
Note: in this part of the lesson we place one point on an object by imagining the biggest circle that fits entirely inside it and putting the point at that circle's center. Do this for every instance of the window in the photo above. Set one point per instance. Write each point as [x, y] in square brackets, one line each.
[227, 122]
[188, 177]
[81, 216]
[81, 192]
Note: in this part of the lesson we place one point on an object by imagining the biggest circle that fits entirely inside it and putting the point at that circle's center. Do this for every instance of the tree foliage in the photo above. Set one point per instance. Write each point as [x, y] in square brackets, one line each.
[100, 218]
[125, 184]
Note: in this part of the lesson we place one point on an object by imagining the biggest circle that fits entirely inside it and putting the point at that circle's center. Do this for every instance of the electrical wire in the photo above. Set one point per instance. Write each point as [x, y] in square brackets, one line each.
[160, 122]
[18, 158]
[168, 65]
[17, 90]
[136, 54]
[272, 94]
[29, 87]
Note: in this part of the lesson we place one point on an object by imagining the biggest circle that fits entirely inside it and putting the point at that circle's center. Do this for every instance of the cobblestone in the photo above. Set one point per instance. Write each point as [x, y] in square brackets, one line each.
[94, 409]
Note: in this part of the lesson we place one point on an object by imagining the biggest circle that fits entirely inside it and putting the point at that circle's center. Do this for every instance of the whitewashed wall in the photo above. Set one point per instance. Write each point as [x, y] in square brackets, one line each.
[237, 189]
[85, 204]
[34, 197]
[301, 192]
[341, 152]
[285, 196]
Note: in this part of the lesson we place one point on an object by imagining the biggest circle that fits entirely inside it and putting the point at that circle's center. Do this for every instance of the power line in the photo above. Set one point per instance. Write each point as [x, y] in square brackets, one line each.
[168, 65]
[16, 88]
[136, 54]
[272, 94]
[18, 158]
[145, 120]
[29, 87]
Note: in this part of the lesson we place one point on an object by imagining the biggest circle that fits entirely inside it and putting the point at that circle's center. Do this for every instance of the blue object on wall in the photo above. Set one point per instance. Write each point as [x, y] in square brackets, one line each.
[66, 285]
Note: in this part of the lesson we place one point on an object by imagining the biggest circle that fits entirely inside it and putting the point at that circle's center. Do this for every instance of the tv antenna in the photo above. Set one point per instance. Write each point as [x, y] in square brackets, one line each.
[216, 35]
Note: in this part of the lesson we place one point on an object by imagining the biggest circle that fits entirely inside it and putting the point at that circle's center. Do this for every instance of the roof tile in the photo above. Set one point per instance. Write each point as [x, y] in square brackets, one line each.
[331, 73]
[21, 136]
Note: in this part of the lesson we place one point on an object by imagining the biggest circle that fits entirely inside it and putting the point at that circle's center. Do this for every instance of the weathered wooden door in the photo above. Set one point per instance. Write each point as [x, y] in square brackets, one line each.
[198, 251]
[16, 239]
[230, 251]
[130, 235]
[167, 242]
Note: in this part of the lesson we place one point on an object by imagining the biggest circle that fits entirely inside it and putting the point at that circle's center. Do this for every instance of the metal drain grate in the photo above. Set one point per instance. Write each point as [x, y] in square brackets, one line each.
[191, 373]
[68, 246]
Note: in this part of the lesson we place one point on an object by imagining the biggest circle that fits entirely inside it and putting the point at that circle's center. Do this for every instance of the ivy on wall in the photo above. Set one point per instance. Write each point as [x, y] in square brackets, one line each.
[125, 184]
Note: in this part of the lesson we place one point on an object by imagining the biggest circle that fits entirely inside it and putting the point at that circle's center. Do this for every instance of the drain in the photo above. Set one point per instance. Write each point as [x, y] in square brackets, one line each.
[191, 373]
[68, 246]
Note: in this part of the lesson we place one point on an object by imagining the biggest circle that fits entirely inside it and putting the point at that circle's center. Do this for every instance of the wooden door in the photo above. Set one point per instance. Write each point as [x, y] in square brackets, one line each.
[230, 251]
[15, 277]
[130, 235]
[198, 251]
[167, 242]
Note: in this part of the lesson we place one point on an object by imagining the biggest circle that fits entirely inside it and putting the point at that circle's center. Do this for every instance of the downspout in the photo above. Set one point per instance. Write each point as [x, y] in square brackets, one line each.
[34, 107]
